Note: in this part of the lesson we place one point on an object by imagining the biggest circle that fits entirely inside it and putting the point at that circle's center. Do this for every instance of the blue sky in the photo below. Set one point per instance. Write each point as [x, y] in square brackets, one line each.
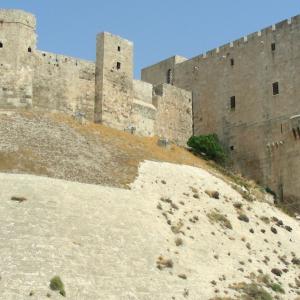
[158, 28]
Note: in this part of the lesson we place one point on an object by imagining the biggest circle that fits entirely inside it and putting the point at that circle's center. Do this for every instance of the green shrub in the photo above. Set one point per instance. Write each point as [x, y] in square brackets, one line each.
[209, 145]
[277, 288]
[56, 284]
[269, 191]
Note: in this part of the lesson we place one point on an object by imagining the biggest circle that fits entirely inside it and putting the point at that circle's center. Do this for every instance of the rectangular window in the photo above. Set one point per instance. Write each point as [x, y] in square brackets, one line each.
[232, 62]
[275, 88]
[118, 65]
[119, 48]
[232, 103]
[295, 133]
[273, 46]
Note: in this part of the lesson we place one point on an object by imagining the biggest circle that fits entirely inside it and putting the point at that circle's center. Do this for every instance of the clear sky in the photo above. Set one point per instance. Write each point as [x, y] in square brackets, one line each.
[158, 28]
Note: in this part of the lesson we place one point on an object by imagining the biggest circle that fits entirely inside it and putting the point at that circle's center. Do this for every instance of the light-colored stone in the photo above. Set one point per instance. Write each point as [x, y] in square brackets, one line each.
[104, 91]
[258, 135]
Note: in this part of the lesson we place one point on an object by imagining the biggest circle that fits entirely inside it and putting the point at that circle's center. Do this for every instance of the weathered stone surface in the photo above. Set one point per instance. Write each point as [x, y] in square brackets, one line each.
[261, 133]
[104, 91]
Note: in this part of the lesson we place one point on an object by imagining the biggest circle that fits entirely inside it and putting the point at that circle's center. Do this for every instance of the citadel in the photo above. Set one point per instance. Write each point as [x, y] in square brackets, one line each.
[247, 92]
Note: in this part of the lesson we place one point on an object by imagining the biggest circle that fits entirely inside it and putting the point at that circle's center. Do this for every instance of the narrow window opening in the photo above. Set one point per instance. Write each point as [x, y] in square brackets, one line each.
[232, 103]
[273, 46]
[298, 130]
[1, 45]
[118, 65]
[281, 128]
[29, 50]
[232, 62]
[295, 133]
[169, 76]
[275, 88]
[119, 48]
[231, 148]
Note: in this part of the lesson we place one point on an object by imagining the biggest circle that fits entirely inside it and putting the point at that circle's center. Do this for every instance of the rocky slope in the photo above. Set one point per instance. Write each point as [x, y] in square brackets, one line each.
[179, 232]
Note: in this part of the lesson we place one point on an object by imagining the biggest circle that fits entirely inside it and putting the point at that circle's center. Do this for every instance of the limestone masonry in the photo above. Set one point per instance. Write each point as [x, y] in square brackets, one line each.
[104, 91]
[246, 91]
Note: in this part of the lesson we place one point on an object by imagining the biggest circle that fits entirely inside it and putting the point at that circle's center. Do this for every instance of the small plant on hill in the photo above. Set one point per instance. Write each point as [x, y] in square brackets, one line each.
[251, 291]
[265, 219]
[209, 145]
[216, 217]
[238, 205]
[163, 263]
[176, 228]
[56, 284]
[277, 288]
[178, 242]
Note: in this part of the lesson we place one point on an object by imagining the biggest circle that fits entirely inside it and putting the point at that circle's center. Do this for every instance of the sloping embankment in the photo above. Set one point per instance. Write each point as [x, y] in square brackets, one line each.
[178, 233]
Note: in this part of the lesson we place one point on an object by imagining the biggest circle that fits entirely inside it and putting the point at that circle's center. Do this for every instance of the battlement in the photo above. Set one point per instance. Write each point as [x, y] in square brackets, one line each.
[256, 37]
[18, 17]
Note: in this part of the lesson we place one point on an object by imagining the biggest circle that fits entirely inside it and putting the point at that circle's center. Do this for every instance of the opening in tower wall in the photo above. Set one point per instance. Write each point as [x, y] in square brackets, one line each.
[232, 103]
[275, 88]
[169, 76]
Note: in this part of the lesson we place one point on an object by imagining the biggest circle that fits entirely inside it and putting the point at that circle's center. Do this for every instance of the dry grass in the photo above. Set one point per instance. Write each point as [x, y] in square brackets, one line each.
[163, 263]
[112, 156]
[216, 217]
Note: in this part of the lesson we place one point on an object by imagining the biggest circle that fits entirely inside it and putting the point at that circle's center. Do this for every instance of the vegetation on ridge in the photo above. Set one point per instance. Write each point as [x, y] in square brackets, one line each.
[209, 145]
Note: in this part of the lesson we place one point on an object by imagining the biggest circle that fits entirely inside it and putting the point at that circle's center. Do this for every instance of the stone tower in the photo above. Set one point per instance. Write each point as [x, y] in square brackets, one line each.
[17, 45]
[114, 81]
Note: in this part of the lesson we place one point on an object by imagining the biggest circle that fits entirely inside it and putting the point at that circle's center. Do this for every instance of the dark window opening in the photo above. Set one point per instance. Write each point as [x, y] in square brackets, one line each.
[119, 48]
[118, 65]
[44, 54]
[232, 103]
[232, 62]
[295, 133]
[281, 128]
[275, 88]
[231, 148]
[273, 46]
[298, 130]
[1, 45]
[29, 49]
[169, 76]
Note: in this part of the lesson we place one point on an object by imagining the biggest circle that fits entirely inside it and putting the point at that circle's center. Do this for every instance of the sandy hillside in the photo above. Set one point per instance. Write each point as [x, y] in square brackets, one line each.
[178, 233]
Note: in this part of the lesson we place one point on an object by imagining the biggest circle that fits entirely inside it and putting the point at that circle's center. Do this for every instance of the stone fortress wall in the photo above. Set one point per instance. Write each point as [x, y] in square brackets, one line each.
[247, 92]
[103, 91]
